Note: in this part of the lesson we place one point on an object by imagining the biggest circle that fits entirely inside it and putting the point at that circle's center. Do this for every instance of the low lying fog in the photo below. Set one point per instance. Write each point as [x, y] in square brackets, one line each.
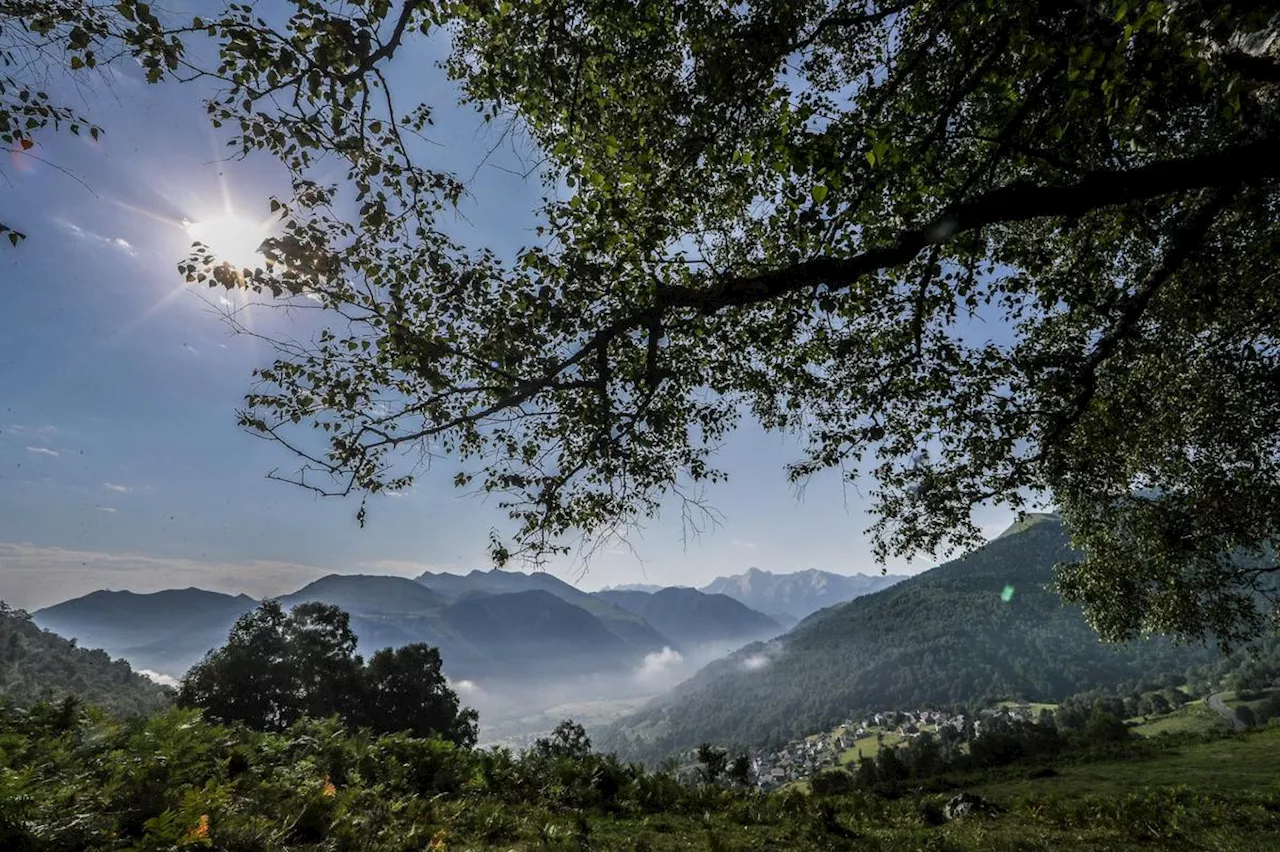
[513, 712]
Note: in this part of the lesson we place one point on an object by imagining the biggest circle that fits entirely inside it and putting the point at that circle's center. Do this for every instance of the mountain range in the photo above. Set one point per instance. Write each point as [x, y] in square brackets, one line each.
[164, 631]
[983, 627]
[799, 594]
[487, 624]
[693, 618]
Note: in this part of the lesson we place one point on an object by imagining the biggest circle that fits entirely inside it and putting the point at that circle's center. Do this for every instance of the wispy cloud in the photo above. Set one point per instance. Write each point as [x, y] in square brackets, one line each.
[43, 432]
[33, 576]
[120, 489]
[405, 567]
[737, 542]
[659, 662]
[117, 243]
[43, 451]
[106, 509]
[163, 679]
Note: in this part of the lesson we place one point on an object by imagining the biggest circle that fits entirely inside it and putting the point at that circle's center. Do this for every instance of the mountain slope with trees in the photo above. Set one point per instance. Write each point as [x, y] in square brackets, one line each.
[486, 624]
[693, 618]
[980, 628]
[625, 625]
[370, 594]
[37, 665]
[164, 631]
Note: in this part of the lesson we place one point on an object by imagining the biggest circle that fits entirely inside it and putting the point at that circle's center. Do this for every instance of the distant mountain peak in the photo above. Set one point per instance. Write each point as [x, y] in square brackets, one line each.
[796, 594]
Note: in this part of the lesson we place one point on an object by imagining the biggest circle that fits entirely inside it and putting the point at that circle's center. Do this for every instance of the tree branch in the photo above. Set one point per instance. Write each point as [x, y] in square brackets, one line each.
[389, 47]
[1185, 241]
[1262, 69]
[1019, 202]
[838, 20]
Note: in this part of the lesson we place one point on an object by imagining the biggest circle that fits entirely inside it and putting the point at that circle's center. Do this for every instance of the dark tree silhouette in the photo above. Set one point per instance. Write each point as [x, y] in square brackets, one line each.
[277, 668]
[405, 690]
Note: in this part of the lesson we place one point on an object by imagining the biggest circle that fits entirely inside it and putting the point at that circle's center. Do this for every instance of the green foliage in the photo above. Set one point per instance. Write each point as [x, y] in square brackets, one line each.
[739, 771]
[36, 665]
[798, 212]
[713, 762]
[76, 781]
[405, 690]
[278, 668]
[568, 740]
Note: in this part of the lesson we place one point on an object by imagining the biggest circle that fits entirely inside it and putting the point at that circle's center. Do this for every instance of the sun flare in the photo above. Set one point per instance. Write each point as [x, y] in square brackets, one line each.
[232, 238]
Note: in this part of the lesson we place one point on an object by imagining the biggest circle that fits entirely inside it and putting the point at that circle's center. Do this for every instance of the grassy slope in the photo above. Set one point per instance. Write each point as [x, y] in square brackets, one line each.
[1192, 718]
[1221, 794]
[1234, 763]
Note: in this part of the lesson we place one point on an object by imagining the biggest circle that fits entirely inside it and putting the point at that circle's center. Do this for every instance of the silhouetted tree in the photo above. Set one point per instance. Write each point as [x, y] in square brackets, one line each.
[405, 690]
[568, 740]
[740, 770]
[714, 761]
[250, 679]
[277, 668]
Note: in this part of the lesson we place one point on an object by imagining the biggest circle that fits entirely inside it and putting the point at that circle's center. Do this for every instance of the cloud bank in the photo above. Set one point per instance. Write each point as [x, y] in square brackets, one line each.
[162, 679]
[32, 577]
[659, 663]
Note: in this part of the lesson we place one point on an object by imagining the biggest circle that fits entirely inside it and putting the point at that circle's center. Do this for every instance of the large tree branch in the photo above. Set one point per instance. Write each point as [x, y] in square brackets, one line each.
[1183, 245]
[1249, 163]
[1262, 69]
[1019, 202]
[844, 20]
[388, 48]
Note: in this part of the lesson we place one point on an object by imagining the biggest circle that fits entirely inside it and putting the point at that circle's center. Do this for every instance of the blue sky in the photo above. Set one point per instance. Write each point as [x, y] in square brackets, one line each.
[120, 462]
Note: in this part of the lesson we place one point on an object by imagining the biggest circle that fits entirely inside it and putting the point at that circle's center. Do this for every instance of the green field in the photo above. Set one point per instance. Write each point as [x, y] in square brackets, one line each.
[1193, 718]
[1219, 766]
[869, 746]
[1036, 706]
[1220, 794]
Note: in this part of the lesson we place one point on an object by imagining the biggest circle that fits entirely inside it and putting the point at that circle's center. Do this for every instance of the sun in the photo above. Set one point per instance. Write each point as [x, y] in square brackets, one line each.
[232, 238]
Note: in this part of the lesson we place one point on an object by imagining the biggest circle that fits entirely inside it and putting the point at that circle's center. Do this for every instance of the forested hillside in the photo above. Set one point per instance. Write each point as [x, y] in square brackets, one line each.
[165, 631]
[36, 665]
[980, 628]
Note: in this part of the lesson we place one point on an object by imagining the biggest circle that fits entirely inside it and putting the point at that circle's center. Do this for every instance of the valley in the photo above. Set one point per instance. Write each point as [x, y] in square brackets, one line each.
[981, 629]
[1053, 760]
[516, 646]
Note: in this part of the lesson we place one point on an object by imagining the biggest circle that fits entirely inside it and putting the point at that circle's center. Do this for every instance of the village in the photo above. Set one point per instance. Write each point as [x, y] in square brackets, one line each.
[854, 739]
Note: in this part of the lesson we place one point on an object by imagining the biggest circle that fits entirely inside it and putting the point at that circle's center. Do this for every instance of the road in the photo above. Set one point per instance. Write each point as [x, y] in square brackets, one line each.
[1216, 704]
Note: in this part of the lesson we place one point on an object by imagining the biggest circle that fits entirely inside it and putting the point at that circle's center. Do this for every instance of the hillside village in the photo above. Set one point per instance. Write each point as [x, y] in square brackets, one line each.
[854, 739]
